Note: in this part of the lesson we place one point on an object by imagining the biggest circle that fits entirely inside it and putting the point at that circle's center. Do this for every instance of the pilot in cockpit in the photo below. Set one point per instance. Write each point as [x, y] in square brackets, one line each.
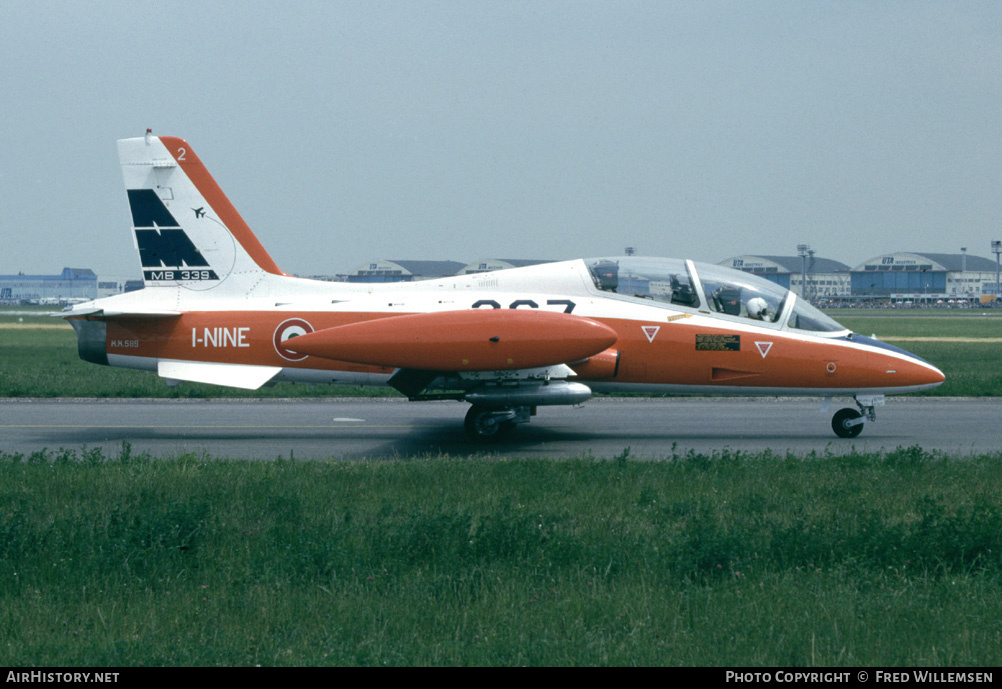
[758, 308]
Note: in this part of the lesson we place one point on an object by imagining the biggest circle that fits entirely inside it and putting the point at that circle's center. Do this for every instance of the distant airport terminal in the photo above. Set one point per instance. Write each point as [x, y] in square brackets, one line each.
[901, 278]
[71, 286]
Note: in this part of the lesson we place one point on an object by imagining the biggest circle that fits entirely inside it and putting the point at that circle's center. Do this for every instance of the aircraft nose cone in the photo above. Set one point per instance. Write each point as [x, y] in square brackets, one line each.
[935, 376]
[924, 374]
[910, 371]
[917, 374]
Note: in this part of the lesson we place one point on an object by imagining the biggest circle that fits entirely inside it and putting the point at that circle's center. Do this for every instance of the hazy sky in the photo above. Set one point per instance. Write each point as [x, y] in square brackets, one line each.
[349, 131]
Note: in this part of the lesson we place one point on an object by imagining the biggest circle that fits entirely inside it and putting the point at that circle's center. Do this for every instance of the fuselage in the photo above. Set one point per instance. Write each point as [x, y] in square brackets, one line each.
[680, 327]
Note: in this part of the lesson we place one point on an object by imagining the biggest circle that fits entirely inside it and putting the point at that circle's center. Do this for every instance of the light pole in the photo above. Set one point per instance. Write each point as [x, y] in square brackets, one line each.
[803, 250]
[964, 290]
[996, 249]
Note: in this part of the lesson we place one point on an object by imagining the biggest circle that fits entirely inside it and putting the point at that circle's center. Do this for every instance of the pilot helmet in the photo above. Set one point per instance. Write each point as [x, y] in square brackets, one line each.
[757, 307]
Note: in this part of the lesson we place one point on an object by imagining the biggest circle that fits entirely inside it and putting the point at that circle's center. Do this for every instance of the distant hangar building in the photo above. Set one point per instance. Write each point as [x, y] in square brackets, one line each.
[826, 278]
[409, 271]
[918, 277]
[487, 265]
[402, 271]
[73, 284]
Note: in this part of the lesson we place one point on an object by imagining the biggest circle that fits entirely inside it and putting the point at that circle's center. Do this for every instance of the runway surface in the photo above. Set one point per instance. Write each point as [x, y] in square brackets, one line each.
[390, 428]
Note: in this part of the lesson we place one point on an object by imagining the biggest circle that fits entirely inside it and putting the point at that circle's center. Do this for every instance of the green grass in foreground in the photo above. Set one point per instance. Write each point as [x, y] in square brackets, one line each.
[730, 559]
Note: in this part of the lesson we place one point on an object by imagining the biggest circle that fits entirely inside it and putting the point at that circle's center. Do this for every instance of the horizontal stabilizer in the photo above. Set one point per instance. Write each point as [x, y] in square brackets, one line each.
[230, 375]
[108, 313]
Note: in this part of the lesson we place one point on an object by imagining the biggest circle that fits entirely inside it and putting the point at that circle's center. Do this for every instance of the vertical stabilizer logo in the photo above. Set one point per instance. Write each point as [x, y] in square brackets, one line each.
[165, 250]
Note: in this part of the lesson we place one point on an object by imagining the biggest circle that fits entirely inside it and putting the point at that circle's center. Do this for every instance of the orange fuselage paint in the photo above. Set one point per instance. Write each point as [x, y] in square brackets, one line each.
[685, 354]
[678, 352]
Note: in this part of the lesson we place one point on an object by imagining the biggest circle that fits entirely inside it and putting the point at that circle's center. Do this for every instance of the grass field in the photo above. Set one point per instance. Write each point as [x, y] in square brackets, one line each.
[890, 559]
[38, 358]
[914, 326]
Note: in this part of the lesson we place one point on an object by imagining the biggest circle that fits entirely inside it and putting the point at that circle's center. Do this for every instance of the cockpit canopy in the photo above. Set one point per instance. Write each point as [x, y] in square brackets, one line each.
[708, 287]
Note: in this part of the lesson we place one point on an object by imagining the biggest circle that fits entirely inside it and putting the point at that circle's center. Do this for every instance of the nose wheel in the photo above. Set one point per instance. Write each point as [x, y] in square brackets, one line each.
[848, 423]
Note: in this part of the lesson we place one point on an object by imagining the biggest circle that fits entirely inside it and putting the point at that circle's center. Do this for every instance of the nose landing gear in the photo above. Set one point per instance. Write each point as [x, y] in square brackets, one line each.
[848, 423]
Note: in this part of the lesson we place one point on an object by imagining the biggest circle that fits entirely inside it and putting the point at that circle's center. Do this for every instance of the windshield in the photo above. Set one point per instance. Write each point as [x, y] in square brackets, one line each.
[664, 280]
[806, 317]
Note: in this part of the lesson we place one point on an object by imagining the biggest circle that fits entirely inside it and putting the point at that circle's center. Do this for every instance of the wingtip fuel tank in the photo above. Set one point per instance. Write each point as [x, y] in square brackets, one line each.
[471, 340]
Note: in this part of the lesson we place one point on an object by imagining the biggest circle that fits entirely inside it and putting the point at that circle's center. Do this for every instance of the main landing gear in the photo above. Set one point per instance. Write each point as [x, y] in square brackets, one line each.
[848, 423]
[497, 408]
[491, 424]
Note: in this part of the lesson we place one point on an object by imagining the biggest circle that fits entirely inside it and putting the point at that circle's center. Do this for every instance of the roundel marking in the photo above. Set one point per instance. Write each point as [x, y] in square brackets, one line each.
[286, 331]
[831, 367]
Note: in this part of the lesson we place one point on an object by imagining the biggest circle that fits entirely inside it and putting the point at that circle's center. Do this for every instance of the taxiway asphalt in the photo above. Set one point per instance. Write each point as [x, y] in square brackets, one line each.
[355, 428]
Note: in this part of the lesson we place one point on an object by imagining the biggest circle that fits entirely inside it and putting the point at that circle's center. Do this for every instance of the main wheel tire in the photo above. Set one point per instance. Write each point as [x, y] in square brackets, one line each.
[481, 425]
[839, 423]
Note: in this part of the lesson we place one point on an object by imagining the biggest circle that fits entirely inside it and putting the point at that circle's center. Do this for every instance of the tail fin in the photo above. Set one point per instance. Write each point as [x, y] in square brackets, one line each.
[187, 232]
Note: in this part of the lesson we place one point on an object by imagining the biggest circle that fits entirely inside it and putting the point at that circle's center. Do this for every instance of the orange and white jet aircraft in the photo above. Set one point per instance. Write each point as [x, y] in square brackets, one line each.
[216, 309]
